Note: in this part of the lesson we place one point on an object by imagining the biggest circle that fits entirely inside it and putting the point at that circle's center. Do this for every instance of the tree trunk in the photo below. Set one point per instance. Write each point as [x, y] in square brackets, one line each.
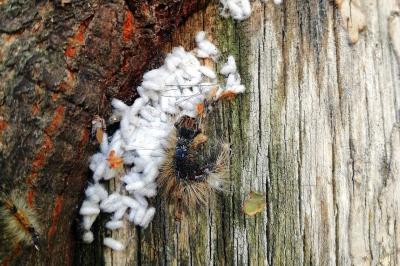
[317, 130]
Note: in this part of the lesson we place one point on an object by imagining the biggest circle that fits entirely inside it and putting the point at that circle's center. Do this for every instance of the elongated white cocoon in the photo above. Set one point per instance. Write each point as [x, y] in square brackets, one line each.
[152, 74]
[135, 186]
[119, 105]
[132, 214]
[89, 208]
[100, 191]
[88, 237]
[111, 203]
[100, 170]
[95, 160]
[113, 244]
[208, 47]
[148, 217]
[129, 202]
[112, 225]
[140, 212]
[141, 200]
[150, 85]
[118, 214]
[87, 221]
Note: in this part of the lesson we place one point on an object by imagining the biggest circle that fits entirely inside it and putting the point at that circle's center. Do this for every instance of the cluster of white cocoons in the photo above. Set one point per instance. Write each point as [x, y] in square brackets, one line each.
[239, 9]
[166, 94]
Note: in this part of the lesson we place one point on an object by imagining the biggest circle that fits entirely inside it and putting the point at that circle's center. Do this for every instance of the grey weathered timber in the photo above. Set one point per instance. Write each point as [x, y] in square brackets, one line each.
[317, 131]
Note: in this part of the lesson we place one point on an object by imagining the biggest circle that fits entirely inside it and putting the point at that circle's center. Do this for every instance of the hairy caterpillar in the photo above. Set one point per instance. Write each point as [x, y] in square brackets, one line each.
[187, 177]
[18, 224]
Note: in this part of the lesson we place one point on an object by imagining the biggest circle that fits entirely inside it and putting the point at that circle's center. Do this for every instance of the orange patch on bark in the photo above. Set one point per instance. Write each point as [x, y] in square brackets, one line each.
[127, 28]
[55, 215]
[114, 160]
[58, 117]
[76, 40]
[70, 51]
[3, 124]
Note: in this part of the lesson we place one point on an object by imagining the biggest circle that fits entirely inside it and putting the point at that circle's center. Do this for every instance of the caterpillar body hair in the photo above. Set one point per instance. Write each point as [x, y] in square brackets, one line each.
[18, 223]
[186, 177]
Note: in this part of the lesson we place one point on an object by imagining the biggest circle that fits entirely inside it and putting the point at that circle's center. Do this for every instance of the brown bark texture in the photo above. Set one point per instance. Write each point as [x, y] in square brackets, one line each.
[60, 64]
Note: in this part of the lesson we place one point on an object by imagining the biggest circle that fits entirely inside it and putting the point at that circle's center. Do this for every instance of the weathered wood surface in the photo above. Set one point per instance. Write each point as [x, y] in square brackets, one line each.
[317, 131]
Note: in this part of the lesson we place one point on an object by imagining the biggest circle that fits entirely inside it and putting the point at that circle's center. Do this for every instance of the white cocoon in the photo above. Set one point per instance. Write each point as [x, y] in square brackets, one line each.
[112, 225]
[88, 237]
[113, 244]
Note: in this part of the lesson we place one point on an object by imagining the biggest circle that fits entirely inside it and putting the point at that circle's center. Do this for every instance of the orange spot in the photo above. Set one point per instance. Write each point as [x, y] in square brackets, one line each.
[114, 160]
[127, 28]
[70, 51]
[3, 124]
[35, 109]
[200, 108]
[80, 34]
[227, 95]
[56, 121]
[55, 215]
[77, 40]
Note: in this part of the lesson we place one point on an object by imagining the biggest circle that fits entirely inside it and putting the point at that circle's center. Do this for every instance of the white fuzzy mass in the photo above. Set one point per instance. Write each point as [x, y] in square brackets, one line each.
[239, 9]
[166, 94]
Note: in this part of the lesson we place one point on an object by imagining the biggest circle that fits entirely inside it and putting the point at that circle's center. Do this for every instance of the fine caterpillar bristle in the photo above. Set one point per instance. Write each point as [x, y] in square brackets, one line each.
[186, 178]
[18, 223]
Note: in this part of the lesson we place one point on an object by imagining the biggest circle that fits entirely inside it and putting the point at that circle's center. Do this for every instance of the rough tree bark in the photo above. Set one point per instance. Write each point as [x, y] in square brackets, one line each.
[317, 131]
[60, 65]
